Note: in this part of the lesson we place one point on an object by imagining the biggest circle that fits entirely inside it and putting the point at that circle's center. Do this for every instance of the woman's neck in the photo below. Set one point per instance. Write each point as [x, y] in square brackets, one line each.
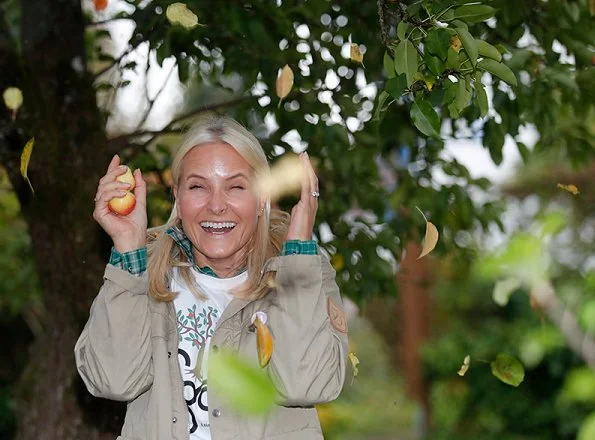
[223, 267]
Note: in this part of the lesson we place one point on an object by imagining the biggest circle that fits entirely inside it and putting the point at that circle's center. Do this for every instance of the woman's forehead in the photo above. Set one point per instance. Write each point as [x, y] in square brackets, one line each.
[216, 159]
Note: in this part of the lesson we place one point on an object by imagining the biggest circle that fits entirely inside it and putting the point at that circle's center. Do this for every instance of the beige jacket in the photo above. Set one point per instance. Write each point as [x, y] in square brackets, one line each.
[128, 352]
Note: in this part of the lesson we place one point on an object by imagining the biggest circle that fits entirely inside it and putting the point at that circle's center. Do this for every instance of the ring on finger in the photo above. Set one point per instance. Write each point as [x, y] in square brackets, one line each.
[315, 194]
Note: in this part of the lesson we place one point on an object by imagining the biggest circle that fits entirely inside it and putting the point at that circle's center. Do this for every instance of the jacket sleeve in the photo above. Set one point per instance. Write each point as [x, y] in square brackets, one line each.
[113, 353]
[310, 350]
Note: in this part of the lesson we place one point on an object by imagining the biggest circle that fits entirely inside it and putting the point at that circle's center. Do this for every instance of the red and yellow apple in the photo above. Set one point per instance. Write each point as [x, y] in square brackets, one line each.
[125, 204]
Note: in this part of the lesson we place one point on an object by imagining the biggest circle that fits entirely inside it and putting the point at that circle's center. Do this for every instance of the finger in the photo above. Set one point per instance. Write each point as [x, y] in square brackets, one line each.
[306, 191]
[140, 190]
[111, 186]
[111, 175]
[311, 174]
[106, 196]
[113, 163]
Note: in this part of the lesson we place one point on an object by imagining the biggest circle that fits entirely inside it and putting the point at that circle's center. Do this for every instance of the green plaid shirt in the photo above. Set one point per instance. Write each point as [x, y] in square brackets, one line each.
[135, 261]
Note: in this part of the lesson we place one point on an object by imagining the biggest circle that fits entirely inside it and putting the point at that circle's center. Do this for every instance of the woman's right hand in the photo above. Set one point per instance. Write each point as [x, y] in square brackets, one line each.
[127, 232]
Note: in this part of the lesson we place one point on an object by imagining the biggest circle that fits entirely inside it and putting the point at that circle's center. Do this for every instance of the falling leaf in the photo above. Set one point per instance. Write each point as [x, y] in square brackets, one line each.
[572, 189]
[243, 386]
[503, 289]
[431, 238]
[285, 178]
[284, 82]
[354, 365]
[25, 156]
[465, 366]
[264, 340]
[178, 13]
[338, 262]
[13, 99]
[508, 370]
[100, 5]
[356, 55]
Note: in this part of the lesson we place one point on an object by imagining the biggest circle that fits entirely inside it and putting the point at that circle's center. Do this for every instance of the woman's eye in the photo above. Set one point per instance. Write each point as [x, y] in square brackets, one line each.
[196, 187]
[237, 187]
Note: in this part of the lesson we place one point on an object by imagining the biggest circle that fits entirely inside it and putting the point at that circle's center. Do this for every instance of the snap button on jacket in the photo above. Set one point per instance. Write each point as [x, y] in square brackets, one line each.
[125, 353]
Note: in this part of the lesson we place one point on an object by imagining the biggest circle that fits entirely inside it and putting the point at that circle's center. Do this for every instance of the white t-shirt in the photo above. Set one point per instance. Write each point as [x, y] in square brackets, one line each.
[196, 323]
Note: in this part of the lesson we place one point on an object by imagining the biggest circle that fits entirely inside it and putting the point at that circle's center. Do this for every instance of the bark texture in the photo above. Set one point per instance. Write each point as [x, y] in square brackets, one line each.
[60, 111]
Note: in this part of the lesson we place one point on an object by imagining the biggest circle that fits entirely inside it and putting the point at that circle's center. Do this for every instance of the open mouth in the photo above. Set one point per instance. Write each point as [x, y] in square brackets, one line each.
[217, 228]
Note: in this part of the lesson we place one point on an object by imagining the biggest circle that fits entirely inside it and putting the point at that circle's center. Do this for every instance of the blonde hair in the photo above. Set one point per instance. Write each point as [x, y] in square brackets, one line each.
[271, 228]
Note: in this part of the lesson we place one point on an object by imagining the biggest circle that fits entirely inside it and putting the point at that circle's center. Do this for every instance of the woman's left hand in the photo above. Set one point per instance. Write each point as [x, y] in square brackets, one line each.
[303, 213]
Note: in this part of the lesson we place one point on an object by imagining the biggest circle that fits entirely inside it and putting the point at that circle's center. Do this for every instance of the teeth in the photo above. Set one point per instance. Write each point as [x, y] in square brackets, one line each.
[217, 225]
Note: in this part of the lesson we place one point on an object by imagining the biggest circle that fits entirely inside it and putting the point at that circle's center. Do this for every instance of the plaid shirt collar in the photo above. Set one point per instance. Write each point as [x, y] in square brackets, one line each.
[185, 246]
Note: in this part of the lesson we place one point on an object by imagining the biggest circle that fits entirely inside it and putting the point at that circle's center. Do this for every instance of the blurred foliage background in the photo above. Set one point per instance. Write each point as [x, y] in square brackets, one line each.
[116, 76]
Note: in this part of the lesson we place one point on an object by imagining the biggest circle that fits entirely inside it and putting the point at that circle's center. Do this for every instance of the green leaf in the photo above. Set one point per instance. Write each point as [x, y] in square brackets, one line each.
[425, 117]
[406, 60]
[435, 64]
[437, 43]
[463, 94]
[504, 289]
[494, 140]
[587, 429]
[474, 13]
[523, 151]
[508, 370]
[485, 49]
[468, 44]
[402, 29]
[243, 386]
[183, 69]
[482, 98]
[500, 70]
[452, 61]
[381, 106]
[389, 65]
[396, 86]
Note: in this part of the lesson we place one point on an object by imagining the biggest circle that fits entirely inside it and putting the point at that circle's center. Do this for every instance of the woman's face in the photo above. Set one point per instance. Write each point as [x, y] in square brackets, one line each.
[217, 205]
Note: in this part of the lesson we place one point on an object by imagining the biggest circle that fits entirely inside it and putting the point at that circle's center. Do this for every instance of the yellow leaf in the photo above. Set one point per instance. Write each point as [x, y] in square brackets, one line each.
[337, 262]
[284, 82]
[285, 178]
[570, 188]
[455, 43]
[13, 98]
[354, 364]
[431, 238]
[465, 366]
[25, 156]
[264, 341]
[356, 54]
[178, 13]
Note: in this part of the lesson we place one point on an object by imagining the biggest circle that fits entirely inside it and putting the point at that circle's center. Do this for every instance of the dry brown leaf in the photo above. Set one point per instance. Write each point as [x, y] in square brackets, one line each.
[285, 178]
[284, 82]
[572, 189]
[25, 157]
[431, 238]
[356, 54]
[465, 366]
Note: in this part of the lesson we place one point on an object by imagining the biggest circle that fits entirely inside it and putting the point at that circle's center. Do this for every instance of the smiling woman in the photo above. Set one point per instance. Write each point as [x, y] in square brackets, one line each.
[225, 271]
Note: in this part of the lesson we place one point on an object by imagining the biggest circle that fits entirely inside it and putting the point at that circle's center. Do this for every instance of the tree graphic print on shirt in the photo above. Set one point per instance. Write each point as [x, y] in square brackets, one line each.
[194, 331]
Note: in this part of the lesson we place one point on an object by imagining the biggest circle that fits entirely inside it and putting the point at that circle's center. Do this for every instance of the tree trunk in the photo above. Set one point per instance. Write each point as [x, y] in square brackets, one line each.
[70, 250]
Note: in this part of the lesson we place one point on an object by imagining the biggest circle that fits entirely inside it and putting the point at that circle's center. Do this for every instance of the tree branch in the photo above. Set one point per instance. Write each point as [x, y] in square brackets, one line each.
[578, 341]
[109, 20]
[116, 144]
[152, 101]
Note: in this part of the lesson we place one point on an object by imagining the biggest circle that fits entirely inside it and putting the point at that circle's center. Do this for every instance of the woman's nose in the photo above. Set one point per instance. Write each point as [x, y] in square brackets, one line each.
[217, 202]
